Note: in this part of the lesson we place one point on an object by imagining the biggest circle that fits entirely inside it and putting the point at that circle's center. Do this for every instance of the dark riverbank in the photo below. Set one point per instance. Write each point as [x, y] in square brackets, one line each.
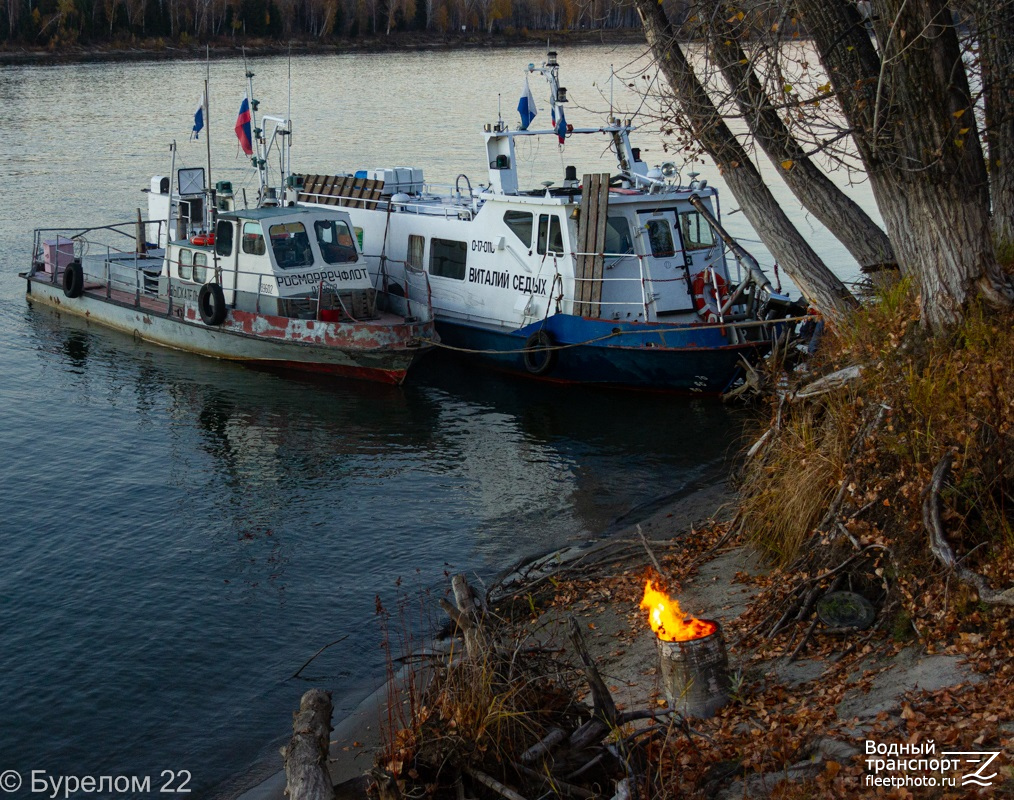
[159, 49]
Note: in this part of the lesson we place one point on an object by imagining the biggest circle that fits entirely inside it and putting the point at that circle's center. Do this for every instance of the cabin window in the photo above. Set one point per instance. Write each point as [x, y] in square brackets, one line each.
[521, 224]
[550, 234]
[415, 250]
[200, 267]
[697, 233]
[660, 238]
[618, 241]
[223, 238]
[447, 258]
[291, 245]
[253, 239]
[186, 265]
[335, 240]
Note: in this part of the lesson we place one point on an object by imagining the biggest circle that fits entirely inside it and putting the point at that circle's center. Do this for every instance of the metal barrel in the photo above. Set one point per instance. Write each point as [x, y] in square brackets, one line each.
[695, 674]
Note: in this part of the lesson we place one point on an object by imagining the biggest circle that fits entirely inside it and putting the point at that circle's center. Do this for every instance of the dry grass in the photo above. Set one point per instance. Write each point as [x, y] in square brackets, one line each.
[873, 445]
[480, 715]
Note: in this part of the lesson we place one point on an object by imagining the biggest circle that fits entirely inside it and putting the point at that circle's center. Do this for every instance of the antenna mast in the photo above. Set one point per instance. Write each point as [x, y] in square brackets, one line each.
[207, 135]
[258, 158]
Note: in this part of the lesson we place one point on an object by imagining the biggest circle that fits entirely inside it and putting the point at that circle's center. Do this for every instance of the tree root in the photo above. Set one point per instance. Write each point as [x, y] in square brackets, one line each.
[931, 518]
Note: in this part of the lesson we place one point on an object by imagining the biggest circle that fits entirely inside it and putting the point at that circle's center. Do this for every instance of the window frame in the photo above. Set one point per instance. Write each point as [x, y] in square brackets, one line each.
[693, 246]
[187, 264]
[202, 267]
[437, 249]
[224, 237]
[282, 232]
[331, 225]
[416, 251]
[663, 224]
[547, 224]
[610, 220]
[250, 238]
[511, 225]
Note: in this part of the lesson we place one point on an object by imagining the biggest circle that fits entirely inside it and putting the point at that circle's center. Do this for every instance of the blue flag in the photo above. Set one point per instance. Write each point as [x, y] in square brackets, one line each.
[526, 106]
[199, 118]
[561, 127]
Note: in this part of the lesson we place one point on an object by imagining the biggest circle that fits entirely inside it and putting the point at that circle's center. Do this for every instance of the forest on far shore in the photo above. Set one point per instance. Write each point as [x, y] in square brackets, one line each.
[56, 24]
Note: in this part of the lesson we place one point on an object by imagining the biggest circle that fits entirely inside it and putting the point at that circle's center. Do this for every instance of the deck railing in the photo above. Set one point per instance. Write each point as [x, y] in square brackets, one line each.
[129, 272]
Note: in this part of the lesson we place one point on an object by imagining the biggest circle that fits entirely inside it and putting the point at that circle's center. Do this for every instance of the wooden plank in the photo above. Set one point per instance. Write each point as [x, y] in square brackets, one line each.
[598, 263]
[308, 184]
[335, 190]
[375, 195]
[357, 191]
[584, 218]
[341, 190]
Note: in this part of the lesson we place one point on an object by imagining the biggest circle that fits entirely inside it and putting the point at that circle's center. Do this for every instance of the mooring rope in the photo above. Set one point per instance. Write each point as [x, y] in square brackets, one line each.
[613, 335]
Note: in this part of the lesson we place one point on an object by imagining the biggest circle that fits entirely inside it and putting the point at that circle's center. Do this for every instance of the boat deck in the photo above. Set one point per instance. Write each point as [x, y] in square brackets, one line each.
[162, 307]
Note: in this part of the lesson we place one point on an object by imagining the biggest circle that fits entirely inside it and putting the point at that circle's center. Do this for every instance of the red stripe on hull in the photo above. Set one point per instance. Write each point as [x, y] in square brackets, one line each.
[388, 376]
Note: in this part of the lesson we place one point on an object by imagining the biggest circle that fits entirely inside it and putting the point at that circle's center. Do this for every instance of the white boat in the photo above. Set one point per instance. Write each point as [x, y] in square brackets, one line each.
[618, 279]
[268, 286]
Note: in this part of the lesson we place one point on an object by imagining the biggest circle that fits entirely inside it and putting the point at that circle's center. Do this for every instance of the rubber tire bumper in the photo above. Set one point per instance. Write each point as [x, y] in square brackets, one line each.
[73, 280]
[538, 357]
[211, 304]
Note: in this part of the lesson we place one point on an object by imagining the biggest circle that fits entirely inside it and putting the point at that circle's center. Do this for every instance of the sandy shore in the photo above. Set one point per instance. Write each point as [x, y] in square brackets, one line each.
[357, 737]
[856, 698]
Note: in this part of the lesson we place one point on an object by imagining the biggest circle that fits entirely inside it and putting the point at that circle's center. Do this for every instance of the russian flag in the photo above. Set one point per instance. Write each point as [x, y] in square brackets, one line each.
[561, 127]
[526, 106]
[243, 127]
[199, 118]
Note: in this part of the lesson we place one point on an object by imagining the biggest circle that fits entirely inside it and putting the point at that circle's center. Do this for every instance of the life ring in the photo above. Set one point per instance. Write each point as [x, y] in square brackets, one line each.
[204, 239]
[73, 279]
[540, 353]
[211, 304]
[710, 291]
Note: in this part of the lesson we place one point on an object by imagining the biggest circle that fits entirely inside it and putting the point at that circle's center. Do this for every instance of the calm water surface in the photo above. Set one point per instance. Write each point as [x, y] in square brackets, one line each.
[179, 535]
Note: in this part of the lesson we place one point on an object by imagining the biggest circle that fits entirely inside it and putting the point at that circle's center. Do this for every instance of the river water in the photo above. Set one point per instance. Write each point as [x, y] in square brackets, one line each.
[179, 535]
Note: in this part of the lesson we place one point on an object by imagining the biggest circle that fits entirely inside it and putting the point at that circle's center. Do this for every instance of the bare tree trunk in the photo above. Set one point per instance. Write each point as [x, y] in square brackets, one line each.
[786, 244]
[841, 215]
[995, 28]
[914, 127]
[939, 190]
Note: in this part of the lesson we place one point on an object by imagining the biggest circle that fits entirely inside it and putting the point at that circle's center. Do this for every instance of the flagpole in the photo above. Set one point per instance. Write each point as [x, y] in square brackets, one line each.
[207, 109]
[207, 141]
[258, 160]
[287, 158]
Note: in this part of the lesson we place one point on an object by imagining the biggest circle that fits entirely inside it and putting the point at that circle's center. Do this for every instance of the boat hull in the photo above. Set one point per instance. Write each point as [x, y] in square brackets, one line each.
[380, 353]
[692, 359]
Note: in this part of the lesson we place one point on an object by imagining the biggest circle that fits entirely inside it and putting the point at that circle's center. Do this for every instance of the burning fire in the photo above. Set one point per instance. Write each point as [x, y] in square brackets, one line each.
[667, 620]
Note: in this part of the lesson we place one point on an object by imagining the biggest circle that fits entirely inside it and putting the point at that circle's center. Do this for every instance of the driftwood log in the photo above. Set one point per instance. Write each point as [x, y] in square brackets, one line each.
[306, 775]
[467, 613]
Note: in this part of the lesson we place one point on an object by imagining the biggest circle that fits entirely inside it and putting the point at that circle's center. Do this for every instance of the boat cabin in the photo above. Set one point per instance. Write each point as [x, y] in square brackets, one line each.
[279, 261]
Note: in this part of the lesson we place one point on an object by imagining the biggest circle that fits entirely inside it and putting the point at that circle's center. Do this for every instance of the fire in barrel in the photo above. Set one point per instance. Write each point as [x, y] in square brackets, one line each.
[692, 658]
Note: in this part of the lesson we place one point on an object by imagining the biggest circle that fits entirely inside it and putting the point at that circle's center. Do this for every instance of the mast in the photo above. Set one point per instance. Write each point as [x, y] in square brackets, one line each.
[207, 141]
[207, 121]
[259, 161]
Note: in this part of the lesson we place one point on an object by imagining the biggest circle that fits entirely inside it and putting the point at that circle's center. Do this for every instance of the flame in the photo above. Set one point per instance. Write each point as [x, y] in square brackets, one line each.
[667, 620]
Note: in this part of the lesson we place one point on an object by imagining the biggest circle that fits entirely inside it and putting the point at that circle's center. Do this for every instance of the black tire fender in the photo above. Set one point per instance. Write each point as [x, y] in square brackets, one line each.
[211, 304]
[73, 280]
[540, 354]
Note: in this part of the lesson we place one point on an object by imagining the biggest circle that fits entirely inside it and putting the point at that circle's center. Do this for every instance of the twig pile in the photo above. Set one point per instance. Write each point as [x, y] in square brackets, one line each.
[502, 718]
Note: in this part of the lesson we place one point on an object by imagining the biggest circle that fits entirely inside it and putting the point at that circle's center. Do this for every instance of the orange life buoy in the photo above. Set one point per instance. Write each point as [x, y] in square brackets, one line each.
[204, 239]
[710, 290]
